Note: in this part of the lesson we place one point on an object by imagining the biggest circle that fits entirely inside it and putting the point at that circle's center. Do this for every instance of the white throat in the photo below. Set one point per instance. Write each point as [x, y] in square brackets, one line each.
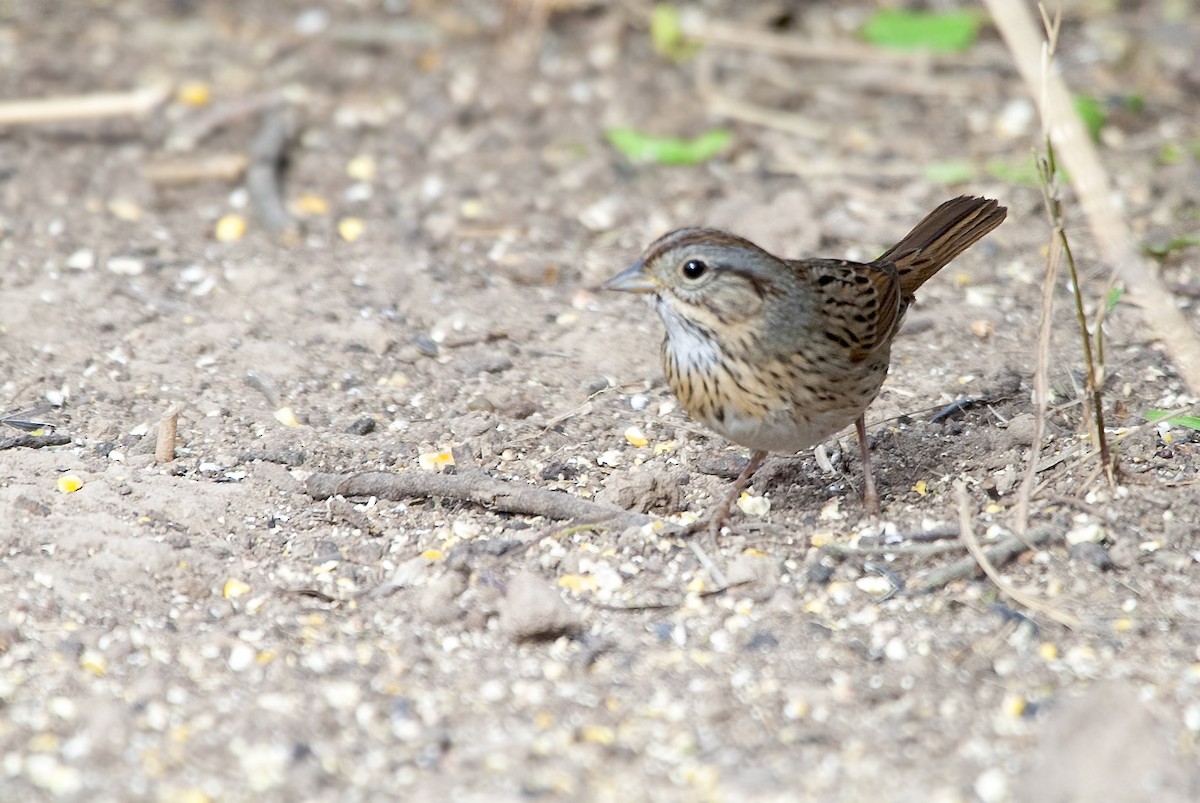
[693, 351]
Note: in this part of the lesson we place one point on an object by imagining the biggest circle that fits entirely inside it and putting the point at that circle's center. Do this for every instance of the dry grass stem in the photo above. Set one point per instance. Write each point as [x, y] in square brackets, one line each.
[1041, 392]
[967, 534]
[168, 426]
[741, 37]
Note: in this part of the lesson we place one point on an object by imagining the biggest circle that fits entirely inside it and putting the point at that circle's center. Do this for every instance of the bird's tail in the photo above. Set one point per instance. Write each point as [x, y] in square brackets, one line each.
[944, 234]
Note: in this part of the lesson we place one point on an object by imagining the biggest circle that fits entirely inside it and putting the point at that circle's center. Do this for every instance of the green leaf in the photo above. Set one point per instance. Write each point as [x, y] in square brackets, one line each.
[1170, 154]
[1091, 111]
[1188, 421]
[667, 33]
[1024, 173]
[896, 29]
[952, 172]
[1176, 244]
[1113, 298]
[640, 147]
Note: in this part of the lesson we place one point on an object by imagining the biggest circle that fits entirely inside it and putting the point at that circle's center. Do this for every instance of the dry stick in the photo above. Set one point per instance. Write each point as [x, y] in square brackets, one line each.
[190, 170]
[1041, 392]
[508, 497]
[998, 554]
[1017, 26]
[925, 550]
[267, 153]
[82, 107]
[980, 557]
[34, 441]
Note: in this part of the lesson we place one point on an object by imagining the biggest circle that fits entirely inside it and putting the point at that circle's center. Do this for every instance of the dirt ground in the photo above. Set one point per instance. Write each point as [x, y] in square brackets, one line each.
[205, 629]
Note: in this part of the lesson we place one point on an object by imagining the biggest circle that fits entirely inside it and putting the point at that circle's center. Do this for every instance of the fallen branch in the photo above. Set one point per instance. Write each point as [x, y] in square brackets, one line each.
[34, 441]
[506, 497]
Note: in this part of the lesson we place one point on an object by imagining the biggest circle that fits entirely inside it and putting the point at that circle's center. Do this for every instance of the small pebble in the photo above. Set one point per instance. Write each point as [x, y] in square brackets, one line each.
[1019, 432]
[125, 266]
[992, 785]
[83, 259]
[534, 610]
[1090, 553]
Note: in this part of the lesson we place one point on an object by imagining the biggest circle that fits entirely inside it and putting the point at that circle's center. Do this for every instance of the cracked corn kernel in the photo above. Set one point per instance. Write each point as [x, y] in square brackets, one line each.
[310, 204]
[756, 506]
[921, 487]
[636, 437]
[194, 93]
[1014, 705]
[287, 417]
[361, 168]
[351, 228]
[93, 662]
[69, 483]
[578, 583]
[235, 588]
[1048, 651]
[597, 734]
[229, 228]
[435, 461]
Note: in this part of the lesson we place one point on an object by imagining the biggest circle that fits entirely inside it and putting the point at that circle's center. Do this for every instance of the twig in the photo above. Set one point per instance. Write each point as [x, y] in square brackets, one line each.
[911, 550]
[1000, 553]
[34, 441]
[267, 156]
[1096, 197]
[714, 571]
[190, 170]
[507, 497]
[82, 107]
[985, 563]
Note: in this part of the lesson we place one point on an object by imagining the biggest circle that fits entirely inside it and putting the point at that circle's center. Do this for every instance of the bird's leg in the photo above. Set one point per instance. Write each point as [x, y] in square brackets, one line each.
[870, 498]
[721, 512]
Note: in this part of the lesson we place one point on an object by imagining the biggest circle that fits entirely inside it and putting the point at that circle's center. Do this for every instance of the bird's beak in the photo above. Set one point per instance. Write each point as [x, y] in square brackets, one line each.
[633, 279]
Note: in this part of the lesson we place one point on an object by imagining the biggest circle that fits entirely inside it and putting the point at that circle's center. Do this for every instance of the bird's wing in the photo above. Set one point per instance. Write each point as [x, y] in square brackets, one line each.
[860, 303]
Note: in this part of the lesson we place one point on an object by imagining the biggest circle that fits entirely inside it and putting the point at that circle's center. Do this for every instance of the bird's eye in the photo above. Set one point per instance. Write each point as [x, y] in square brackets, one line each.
[694, 269]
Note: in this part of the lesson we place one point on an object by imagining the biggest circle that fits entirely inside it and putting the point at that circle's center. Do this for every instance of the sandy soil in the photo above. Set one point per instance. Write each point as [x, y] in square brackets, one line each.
[205, 629]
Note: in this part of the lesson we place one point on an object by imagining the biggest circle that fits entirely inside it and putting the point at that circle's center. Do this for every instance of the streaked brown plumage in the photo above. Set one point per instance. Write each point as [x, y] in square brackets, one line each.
[778, 355]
